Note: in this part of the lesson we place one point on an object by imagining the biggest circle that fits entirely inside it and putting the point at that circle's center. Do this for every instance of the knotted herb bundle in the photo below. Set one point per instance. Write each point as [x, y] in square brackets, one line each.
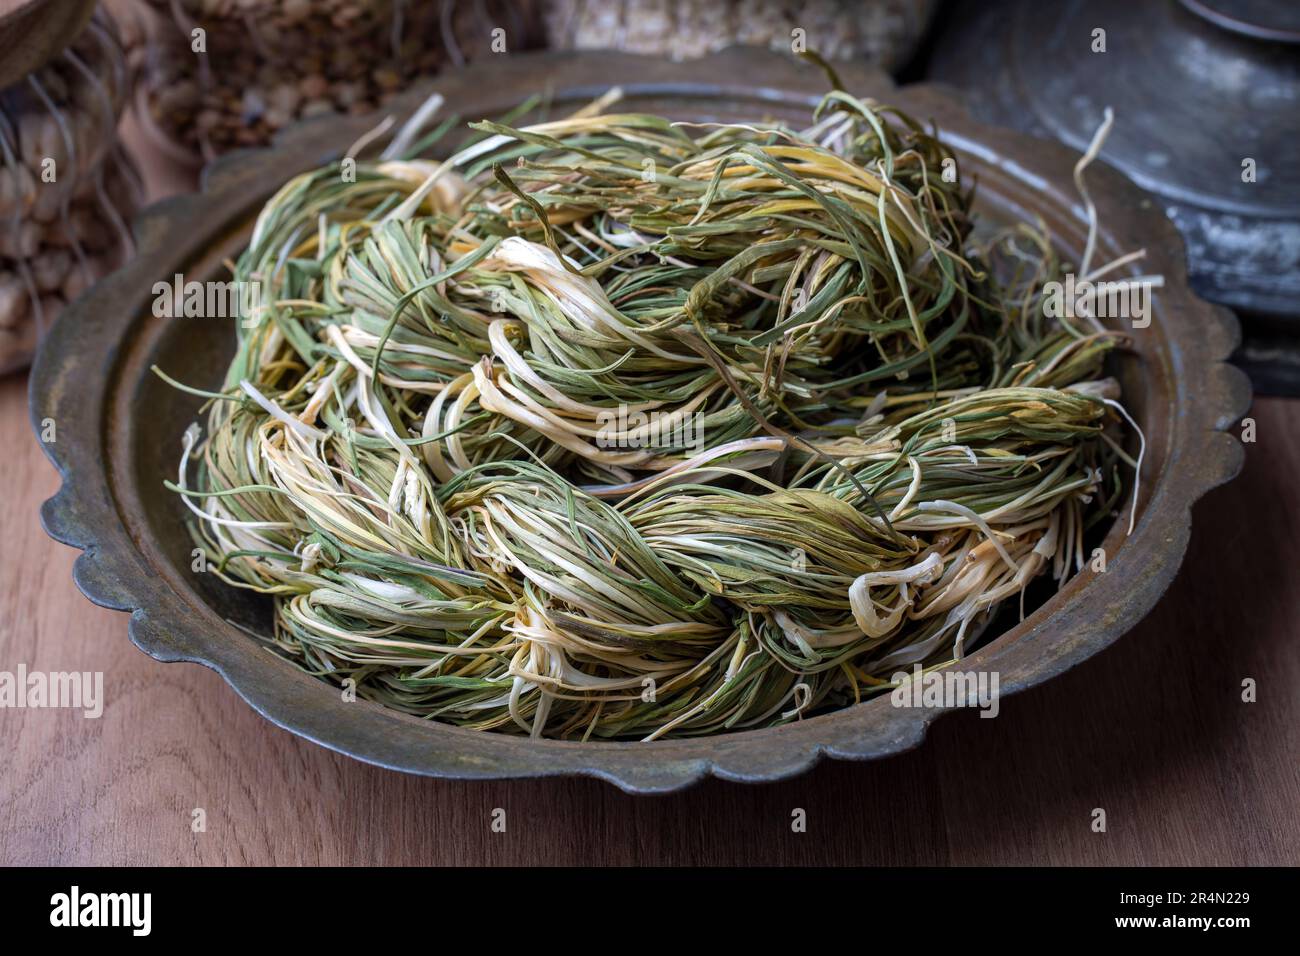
[614, 427]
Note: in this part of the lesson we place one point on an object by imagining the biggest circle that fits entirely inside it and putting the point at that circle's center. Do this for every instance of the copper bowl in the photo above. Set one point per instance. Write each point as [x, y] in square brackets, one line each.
[119, 428]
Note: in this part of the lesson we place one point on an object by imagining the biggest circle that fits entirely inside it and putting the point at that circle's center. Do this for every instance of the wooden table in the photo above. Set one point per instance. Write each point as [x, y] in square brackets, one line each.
[1154, 731]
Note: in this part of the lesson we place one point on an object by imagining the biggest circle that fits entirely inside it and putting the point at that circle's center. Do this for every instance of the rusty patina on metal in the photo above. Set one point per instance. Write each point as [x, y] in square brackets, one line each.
[119, 427]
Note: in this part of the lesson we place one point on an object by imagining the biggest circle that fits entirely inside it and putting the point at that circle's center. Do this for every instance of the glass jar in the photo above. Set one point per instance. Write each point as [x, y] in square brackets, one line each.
[225, 74]
[67, 188]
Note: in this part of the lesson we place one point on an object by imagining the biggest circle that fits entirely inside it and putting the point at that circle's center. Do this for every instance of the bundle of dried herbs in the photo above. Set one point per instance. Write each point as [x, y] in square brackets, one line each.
[615, 427]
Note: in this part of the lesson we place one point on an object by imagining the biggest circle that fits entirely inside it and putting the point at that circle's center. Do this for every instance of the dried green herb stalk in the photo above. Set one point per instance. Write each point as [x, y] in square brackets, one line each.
[434, 447]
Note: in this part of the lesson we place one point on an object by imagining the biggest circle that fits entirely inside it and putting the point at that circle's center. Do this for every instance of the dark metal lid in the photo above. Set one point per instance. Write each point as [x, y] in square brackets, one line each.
[1207, 102]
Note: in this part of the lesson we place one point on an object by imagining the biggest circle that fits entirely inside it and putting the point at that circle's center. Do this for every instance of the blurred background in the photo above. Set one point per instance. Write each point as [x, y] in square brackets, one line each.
[121, 102]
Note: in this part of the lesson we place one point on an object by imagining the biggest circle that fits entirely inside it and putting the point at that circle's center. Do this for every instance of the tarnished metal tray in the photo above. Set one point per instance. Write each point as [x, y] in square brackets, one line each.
[119, 428]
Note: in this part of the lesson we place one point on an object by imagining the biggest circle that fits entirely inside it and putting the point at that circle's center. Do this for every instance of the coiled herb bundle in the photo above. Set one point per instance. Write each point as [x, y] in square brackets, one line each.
[613, 427]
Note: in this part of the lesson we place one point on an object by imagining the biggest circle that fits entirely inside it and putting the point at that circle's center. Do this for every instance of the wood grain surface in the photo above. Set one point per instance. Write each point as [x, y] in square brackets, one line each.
[1154, 731]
